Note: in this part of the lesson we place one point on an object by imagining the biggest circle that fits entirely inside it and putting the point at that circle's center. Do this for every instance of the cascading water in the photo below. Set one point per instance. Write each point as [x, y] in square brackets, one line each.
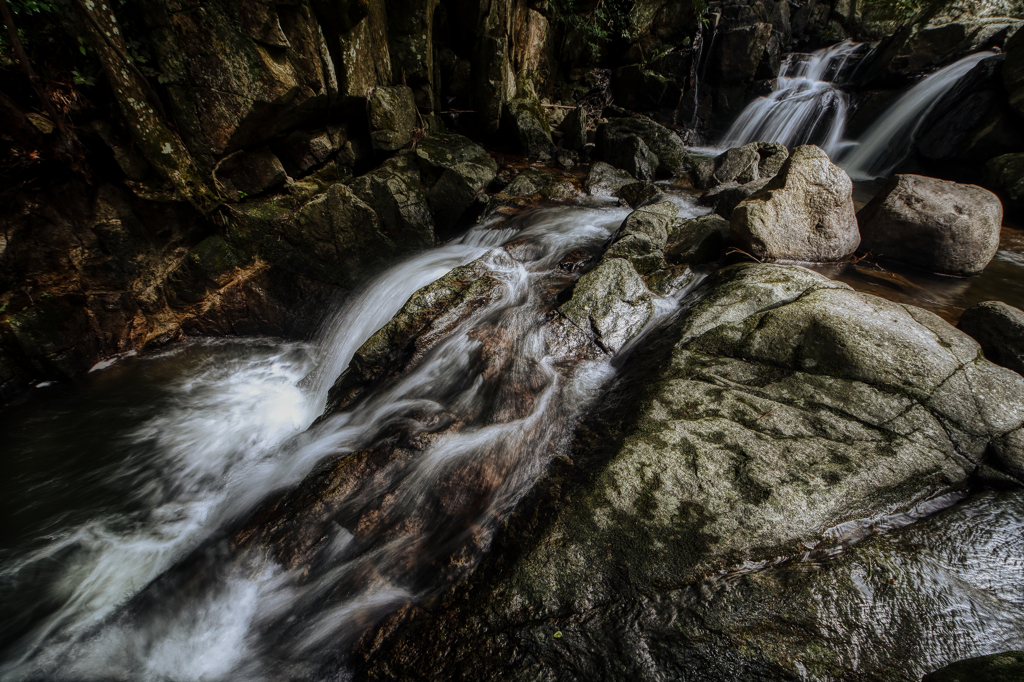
[806, 107]
[888, 141]
[157, 582]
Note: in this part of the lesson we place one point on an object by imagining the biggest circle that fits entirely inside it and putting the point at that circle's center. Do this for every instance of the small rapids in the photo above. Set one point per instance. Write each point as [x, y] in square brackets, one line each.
[127, 562]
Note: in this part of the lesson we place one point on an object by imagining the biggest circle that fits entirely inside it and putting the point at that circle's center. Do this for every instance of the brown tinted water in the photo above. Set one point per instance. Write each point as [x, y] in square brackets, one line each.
[948, 297]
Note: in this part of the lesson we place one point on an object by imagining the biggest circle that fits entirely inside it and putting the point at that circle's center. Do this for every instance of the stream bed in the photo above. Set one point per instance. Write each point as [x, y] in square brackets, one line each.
[124, 490]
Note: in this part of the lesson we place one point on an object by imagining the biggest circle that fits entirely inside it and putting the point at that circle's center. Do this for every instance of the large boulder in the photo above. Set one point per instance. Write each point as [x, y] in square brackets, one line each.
[725, 198]
[642, 236]
[392, 116]
[615, 140]
[303, 150]
[782, 412]
[396, 192]
[611, 302]
[239, 72]
[528, 126]
[574, 129]
[455, 170]
[740, 51]
[527, 189]
[999, 328]
[804, 213]
[245, 174]
[632, 154]
[932, 224]
[333, 237]
[697, 241]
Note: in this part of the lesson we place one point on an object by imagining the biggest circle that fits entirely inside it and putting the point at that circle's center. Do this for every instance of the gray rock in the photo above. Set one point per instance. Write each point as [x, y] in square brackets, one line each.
[604, 180]
[303, 150]
[528, 126]
[730, 195]
[697, 241]
[932, 224]
[757, 160]
[249, 173]
[455, 170]
[739, 52]
[395, 190]
[611, 303]
[636, 194]
[773, 156]
[334, 236]
[738, 164]
[999, 329]
[1004, 667]
[393, 117]
[528, 188]
[633, 155]
[788, 405]
[804, 213]
[613, 142]
[574, 129]
[651, 221]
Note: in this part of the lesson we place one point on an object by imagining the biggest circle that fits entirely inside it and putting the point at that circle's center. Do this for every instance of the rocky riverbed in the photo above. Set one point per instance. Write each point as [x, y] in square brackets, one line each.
[548, 381]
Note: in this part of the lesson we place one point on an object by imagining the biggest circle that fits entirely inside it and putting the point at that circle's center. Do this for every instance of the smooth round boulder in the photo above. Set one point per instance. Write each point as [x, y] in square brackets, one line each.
[805, 213]
[932, 224]
[999, 329]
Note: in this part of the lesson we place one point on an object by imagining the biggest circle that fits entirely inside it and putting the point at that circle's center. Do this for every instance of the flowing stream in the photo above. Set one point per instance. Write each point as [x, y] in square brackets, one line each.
[131, 554]
[128, 492]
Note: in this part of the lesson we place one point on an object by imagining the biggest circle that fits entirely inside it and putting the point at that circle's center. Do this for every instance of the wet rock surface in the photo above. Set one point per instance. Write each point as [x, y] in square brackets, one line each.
[932, 224]
[804, 213]
[779, 406]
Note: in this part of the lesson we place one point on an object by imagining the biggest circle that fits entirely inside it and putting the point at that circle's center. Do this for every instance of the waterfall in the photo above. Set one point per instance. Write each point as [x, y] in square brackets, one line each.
[806, 107]
[889, 139]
